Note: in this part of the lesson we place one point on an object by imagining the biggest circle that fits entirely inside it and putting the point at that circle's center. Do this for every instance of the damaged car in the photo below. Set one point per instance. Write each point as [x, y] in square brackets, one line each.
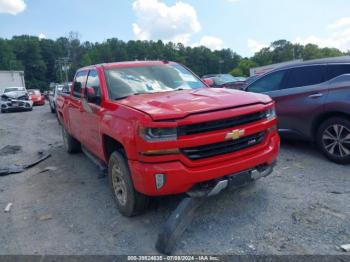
[15, 99]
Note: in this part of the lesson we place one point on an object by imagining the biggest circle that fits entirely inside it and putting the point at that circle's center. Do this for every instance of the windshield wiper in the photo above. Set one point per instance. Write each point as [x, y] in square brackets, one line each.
[133, 94]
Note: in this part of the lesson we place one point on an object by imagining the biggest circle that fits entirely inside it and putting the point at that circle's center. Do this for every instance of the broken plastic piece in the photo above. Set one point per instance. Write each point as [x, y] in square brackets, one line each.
[14, 169]
[345, 248]
[8, 207]
[177, 223]
[45, 217]
[11, 169]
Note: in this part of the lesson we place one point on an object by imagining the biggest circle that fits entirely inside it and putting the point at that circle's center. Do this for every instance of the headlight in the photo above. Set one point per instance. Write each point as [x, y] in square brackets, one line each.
[271, 113]
[159, 134]
[4, 98]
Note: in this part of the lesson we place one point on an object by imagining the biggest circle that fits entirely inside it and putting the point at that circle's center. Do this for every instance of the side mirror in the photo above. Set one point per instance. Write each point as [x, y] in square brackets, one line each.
[209, 82]
[92, 96]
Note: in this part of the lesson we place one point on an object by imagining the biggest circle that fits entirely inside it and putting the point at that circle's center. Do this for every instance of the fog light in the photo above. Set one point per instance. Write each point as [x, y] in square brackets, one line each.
[160, 180]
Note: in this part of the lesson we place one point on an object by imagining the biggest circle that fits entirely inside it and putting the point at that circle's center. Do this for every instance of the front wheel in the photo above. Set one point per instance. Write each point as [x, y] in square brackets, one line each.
[333, 138]
[129, 201]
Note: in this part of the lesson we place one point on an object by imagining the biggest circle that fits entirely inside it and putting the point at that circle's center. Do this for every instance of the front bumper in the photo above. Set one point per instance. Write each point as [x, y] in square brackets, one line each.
[180, 178]
[16, 105]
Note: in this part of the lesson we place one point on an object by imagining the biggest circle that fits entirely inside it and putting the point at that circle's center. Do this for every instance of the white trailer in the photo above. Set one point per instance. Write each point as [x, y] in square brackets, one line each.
[11, 79]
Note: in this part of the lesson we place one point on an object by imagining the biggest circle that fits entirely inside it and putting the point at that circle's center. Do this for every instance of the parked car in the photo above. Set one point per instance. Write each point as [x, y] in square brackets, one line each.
[36, 96]
[224, 80]
[58, 90]
[313, 103]
[160, 131]
[52, 97]
[15, 99]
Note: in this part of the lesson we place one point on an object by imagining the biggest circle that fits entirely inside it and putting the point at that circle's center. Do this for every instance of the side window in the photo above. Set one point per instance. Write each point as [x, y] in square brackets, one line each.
[79, 82]
[337, 70]
[305, 76]
[94, 82]
[270, 82]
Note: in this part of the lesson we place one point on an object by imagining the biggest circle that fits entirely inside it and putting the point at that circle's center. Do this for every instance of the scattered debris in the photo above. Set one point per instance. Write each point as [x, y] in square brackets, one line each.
[332, 212]
[338, 192]
[335, 192]
[252, 247]
[45, 217]
[10, 150]
[49, 168]
[14, 169]
[8, 208]
[345, 248]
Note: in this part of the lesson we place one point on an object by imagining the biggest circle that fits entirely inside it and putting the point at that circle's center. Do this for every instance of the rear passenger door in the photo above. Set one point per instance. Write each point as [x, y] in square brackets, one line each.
[302, 98]
[335, 70]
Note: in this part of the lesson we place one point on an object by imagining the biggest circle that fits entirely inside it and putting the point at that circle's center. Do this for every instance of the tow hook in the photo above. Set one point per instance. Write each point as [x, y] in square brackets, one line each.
[183, 215]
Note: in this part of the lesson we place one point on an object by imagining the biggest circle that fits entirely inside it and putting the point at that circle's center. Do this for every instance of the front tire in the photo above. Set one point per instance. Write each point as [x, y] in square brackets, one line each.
[333, 138]
[71, 145]
[129, 201]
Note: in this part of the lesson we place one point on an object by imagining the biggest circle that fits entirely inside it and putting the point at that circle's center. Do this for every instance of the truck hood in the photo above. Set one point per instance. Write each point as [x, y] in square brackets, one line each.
[179, 104]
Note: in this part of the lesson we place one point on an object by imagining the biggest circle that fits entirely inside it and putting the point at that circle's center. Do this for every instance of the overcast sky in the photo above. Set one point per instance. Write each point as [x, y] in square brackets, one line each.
[242, 25]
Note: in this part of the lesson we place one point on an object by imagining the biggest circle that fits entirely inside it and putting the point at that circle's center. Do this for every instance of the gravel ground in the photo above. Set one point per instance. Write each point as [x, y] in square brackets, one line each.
[302, 208]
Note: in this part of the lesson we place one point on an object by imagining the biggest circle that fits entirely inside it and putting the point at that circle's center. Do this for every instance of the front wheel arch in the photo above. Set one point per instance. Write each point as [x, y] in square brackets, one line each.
[324, 117]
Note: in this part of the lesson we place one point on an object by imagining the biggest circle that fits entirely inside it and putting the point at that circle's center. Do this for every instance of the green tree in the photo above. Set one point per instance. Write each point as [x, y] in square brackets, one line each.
[27, 50]
[8, 59]
[243, 68]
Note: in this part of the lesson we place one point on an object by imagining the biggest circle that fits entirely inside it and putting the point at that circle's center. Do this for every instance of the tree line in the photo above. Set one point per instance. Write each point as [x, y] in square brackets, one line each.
[40, 58]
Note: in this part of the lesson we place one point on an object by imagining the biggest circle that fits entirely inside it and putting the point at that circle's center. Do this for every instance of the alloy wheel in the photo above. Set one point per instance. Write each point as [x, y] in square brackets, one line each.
[119, 185]
[336, 140]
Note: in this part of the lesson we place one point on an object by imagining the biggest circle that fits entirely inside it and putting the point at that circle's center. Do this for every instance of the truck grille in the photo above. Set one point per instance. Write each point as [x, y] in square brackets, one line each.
[200, 152]
[220, 124]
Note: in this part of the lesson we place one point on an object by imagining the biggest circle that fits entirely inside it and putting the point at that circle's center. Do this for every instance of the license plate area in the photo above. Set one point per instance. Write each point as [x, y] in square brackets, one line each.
[240, 179]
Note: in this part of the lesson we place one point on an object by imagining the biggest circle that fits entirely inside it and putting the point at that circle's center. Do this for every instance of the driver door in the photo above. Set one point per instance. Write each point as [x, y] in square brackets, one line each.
[92, 116]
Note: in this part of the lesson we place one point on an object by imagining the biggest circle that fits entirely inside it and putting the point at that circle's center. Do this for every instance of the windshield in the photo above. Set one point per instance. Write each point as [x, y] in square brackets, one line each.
[123, 82]
[223, 79]
[12, 89]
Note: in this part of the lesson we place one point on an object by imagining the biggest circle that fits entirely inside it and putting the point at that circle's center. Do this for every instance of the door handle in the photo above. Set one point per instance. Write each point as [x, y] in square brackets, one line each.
[315, 95]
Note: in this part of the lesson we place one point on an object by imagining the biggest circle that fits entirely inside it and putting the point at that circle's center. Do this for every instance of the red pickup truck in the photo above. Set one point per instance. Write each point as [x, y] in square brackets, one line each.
[160, 130]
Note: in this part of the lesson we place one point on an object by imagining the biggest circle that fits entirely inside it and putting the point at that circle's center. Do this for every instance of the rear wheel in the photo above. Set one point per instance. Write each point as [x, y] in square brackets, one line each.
[3, 111]
[333, 138]
[52, 109]
[71, 145]
[129, 201]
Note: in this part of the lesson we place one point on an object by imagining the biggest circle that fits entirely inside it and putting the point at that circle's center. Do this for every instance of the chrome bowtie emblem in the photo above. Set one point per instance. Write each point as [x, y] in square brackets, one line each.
[235, 134]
